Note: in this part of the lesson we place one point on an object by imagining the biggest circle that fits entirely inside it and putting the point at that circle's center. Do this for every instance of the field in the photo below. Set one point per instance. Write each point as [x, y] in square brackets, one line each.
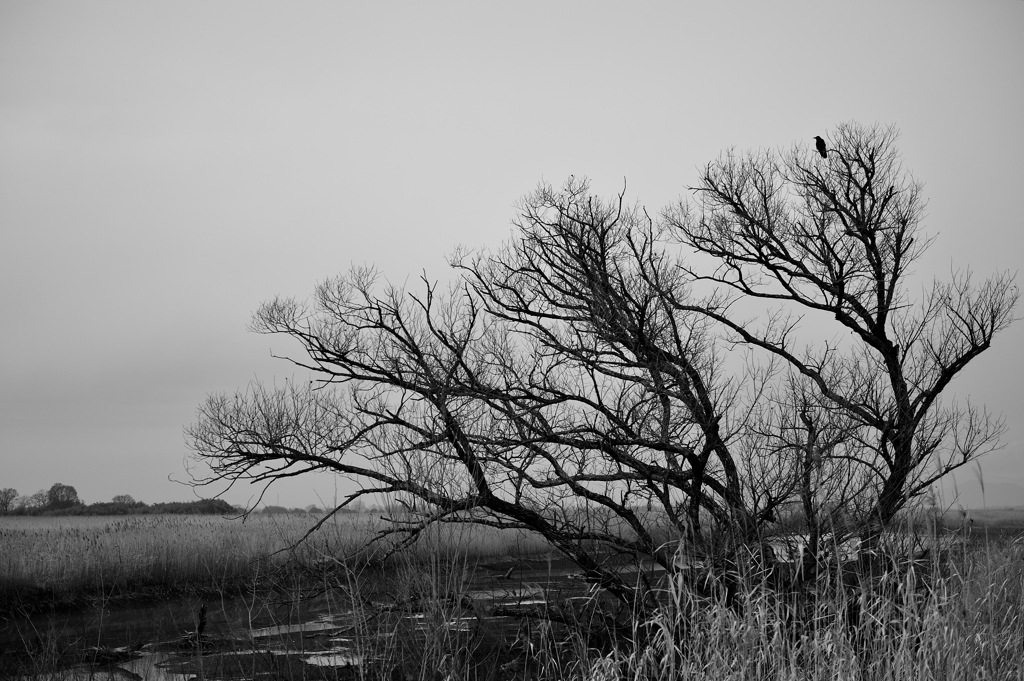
[450, 609]
[68, 560]
[987, 522]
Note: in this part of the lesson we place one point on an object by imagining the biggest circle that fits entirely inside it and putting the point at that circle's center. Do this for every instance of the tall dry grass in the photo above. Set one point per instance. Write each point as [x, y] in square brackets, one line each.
[959, 617]
[64, 559]
[956, 615]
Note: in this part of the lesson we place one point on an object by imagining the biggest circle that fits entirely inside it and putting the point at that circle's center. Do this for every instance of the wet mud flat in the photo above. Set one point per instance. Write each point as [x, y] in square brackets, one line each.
[490, 626]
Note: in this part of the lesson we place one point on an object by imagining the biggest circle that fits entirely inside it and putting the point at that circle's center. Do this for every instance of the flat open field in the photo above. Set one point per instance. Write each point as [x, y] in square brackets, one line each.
[68, 559]
[54, 560]
[988, 521]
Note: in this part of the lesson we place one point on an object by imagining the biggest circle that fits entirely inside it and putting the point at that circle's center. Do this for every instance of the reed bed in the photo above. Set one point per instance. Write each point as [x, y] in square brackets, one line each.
[957, 617]
[67, 559]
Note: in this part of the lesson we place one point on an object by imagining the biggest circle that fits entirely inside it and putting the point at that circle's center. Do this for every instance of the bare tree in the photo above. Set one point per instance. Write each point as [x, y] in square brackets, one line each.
[558, 389]
[833, 241]
[7, 497]
[39, 500]
[580, 383]
[634, 381]
[124, 499]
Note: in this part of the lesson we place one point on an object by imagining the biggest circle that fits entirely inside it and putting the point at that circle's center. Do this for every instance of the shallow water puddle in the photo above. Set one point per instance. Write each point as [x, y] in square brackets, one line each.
[334, 659]
[507, 594]
[316, 638]
[463, 624]
[304, 628]
[147, 666]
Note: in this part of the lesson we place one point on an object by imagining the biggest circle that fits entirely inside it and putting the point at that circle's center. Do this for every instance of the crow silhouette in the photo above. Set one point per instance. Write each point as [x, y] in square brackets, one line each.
[820, 145]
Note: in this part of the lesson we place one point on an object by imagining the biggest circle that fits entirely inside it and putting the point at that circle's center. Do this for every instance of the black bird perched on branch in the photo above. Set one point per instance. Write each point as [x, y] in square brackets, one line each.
[820, 145]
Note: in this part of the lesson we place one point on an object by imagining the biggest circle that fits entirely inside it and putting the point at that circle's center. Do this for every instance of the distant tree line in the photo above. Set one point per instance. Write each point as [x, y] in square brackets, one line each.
[312, 509]
[63, 499]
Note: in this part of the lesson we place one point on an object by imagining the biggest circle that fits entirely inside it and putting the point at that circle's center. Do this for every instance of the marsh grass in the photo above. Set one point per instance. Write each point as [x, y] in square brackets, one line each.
[956, 615]
[69, 560]
[63, 560]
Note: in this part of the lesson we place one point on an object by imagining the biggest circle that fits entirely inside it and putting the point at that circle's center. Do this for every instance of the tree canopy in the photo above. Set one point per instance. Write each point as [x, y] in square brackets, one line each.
[62, 496]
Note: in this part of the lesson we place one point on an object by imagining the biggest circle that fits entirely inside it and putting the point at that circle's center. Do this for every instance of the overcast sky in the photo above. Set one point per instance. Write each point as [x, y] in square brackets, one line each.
[167, 166]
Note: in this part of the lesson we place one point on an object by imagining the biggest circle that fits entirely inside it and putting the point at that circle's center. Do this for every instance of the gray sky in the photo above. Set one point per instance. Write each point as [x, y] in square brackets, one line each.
[165, 167]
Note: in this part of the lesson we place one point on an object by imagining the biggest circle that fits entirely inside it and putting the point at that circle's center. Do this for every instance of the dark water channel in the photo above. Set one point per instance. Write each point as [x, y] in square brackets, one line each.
[384, 632]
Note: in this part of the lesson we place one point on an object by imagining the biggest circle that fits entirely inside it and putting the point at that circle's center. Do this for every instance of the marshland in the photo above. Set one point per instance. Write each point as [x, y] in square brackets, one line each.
[658, 332]
[597, 465]
[165, 597]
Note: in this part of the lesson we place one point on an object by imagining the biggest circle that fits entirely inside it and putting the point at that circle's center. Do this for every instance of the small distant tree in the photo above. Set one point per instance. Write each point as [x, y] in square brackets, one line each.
[61, 496]
[124, 499]
[7, 497]
[314, 509]
[37, 501]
